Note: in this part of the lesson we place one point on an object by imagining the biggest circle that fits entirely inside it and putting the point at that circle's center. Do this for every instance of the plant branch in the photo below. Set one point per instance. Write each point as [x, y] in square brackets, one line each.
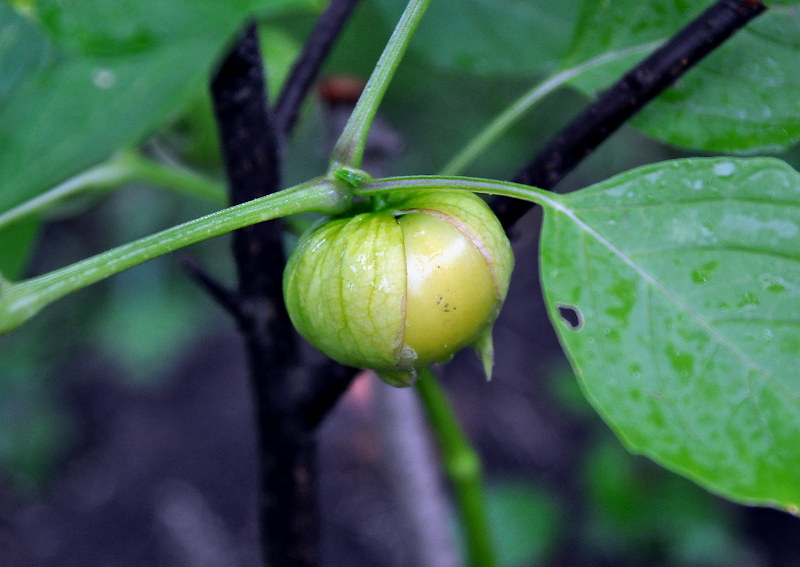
[463, 468]
[289, 522]
[288, 406]
[513, 113]
[251, 152]
[19, 301]
[306, 68]
[227, 298]
[628, 96]
[349, 148]
[127, 166]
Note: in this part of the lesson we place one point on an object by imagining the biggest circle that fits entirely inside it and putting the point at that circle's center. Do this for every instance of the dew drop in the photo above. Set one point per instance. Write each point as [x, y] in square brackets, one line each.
[103, 78]
[724, 169]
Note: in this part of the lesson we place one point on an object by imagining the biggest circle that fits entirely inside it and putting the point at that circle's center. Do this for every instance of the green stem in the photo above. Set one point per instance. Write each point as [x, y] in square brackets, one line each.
[124, 167]
[19, 301]
[349, 149]
[463, 467]
[391, 185]
[514, 112]
[174, 178]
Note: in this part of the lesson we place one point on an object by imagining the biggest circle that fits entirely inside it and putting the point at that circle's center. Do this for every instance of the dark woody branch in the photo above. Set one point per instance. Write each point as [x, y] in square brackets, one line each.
[288, 406]
[627, 97]
[306, 68]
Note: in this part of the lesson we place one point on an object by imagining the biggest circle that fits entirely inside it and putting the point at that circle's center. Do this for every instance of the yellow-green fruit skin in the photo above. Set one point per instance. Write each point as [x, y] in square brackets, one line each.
[402, 287]
[450, 293]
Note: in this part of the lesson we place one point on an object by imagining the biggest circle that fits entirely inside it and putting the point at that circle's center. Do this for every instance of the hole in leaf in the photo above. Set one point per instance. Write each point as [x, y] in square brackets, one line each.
[571, 316]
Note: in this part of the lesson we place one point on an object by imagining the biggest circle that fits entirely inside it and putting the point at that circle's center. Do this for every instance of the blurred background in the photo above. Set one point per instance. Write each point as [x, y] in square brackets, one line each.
[126, 425]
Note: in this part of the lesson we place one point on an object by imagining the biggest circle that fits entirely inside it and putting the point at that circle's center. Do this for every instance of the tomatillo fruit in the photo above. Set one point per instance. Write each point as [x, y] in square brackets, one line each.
[404, 286]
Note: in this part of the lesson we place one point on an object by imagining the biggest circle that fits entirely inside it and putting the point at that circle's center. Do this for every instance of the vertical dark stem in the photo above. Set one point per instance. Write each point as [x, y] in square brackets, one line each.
[627, 97]
[289, 404]
[287, 506]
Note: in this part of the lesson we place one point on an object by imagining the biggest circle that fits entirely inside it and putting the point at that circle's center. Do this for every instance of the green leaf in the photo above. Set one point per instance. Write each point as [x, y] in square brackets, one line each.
[523, 38]
[15, 244]
[280, 50]
[604, 27]
[125, 68]
[742, 98]
[674, 290]
[635, 508]
[80, 111]
[99, 27]
[23, 49]
[524, 520]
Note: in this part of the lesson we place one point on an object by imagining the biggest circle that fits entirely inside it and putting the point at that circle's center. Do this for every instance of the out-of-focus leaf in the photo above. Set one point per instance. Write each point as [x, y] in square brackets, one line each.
[742, 98]
[143, 350]
[512, 38]
[124, 69]
[674, 290]
[23, 49]
[15, 244]
[35, 431]
[618, 25]
[524, 521]
[634, 507]
[460, 105]
[99, 27]
[280, 50]
[80, 111]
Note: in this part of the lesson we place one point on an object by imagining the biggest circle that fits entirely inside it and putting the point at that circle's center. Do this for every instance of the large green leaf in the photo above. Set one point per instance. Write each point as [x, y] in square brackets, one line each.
[23, 49]
[99, 27]
[512, 38]
[605, 27]
[124, 68]
[675, 290]
[742, 98]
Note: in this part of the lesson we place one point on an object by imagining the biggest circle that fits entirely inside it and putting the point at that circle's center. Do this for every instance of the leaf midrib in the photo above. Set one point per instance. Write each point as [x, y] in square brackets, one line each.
[560, 207]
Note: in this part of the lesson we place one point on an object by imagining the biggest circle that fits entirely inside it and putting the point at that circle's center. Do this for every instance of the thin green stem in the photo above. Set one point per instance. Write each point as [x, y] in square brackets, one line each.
[19, 301]
[513, 113]
[390, 185]
[124, 167]
[175, 178]
[349, 149]
[463, 467]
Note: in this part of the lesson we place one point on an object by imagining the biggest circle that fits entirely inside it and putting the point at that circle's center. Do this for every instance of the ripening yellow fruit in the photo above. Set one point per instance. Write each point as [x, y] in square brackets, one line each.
[402, 287]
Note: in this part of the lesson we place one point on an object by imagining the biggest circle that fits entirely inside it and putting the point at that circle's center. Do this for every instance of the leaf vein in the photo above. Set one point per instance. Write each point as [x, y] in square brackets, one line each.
[651, 280]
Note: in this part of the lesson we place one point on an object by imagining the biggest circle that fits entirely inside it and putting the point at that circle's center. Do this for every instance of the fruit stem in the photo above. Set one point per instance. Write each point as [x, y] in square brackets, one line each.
[463, 467]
